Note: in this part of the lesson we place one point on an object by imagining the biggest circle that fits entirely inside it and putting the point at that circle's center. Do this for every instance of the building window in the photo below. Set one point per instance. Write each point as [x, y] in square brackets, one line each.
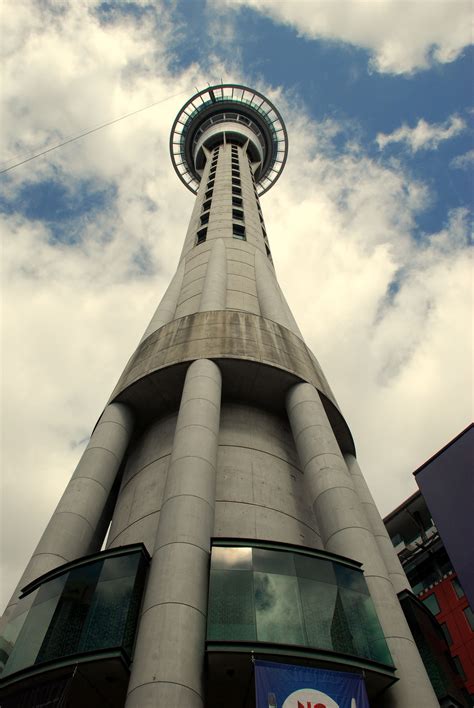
[238, 231]
[86, 607]
[201, 235]
[264, 232]
[235, 162]
[210, 184]
[204, 218]
[446, 632]
[236, 182]
[212, 172]
[268, 251]
[237, 191]
[457, 587]
[469, 615]
[238, 214]
[237, 201]
[235, 173]
[459, 667]
[208, 194]
[206, 205]
[432, 604]
[273, 594]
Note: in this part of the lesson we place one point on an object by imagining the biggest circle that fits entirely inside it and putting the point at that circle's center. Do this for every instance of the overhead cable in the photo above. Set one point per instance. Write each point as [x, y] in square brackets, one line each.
[88, 132]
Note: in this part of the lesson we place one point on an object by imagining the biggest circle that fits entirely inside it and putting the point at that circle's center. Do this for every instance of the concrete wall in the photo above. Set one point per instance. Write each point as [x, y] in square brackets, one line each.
[137, 510]
[260, 487]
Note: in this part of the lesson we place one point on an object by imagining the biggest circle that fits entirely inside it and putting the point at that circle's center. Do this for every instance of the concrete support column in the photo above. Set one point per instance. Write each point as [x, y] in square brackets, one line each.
[387, 551]
[344, 530]
[80, 521]
[214, 292]
[169, 654]
[165, 311]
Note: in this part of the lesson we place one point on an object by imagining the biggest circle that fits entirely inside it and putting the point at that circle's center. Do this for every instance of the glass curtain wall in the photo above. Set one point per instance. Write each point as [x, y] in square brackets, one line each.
[287, 597]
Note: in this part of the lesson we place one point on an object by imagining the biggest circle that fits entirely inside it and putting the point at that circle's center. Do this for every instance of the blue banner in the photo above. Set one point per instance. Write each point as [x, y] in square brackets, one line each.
[291, 686]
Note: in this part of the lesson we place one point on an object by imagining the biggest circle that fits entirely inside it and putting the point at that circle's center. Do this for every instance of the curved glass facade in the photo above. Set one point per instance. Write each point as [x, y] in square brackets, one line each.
[88, 607]
[291, 597]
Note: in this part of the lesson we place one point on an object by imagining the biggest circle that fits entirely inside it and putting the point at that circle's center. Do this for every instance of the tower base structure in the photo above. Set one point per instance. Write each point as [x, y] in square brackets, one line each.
[221, 484]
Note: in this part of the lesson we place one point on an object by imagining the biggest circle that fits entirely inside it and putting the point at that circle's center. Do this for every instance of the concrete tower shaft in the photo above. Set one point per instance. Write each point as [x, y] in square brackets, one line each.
[222, 429]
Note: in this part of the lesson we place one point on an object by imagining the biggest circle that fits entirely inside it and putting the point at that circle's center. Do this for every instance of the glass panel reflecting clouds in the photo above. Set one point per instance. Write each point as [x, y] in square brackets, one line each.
[231, 611]
[278, 609]
[227, 558]
[268, 561]
[295, 599]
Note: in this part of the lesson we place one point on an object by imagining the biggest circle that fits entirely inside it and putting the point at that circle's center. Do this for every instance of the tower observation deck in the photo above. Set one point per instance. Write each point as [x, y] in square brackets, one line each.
[218, 514]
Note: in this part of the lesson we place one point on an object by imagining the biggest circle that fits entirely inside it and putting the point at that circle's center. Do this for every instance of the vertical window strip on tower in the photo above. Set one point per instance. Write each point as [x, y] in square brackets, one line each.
[201, 235]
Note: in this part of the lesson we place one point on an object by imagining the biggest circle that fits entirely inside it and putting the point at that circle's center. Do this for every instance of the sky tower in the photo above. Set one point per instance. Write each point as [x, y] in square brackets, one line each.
[217, 526]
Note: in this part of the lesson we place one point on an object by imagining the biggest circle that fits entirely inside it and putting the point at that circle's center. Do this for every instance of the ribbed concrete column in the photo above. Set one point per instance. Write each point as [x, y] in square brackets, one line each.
[344, 530]
[165, 311]
[387, 551]
[80, 520]
[213, 295]
[169, 655]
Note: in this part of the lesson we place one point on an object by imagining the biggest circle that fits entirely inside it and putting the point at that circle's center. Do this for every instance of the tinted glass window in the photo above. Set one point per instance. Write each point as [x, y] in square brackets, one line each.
[275, 595]
[457, 587]
[87, 608]
[432, 603]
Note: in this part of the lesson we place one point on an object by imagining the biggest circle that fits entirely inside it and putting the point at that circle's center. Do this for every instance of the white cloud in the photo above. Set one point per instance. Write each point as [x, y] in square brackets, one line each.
[341, 228]
[400, 37]
[424, 136]
[463, 162]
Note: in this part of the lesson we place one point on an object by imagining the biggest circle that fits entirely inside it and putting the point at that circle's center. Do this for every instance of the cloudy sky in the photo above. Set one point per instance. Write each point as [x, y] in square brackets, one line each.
[369, 224]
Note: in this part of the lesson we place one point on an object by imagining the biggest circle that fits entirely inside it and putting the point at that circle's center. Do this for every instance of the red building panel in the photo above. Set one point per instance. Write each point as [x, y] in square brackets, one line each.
[455, 616]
